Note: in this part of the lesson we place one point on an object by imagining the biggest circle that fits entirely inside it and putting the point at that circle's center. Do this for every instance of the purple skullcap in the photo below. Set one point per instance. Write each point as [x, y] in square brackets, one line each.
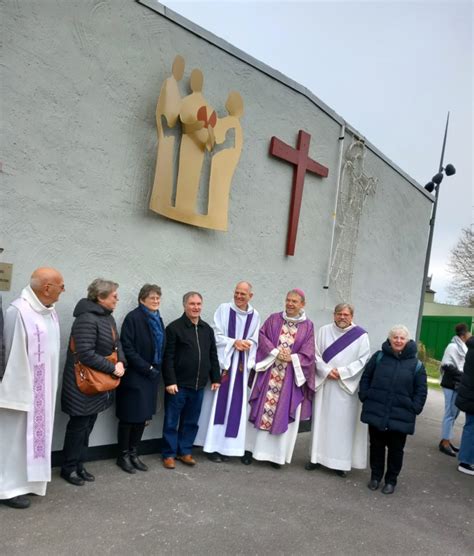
[300, 293]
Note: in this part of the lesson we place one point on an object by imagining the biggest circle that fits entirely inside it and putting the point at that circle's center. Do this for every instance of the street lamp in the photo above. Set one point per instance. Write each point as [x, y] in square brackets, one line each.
[431, 186]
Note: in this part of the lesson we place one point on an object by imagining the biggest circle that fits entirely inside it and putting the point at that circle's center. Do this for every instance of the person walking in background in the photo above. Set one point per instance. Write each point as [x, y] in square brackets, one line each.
[393, 392]
[465, 402]
[451, 372]
[95, 337]
[143, 342]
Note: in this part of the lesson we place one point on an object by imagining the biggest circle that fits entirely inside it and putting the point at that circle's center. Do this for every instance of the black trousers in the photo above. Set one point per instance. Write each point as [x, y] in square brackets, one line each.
[394, 442]
[76, 442]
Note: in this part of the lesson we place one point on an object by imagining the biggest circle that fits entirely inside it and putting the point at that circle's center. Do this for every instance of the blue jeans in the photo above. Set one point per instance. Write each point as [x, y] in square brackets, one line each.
[450, 413]
[180, 424]
[466, 450]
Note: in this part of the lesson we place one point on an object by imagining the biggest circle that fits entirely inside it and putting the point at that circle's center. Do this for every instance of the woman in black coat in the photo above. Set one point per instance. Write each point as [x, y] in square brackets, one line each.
[143, 340]
[393, 391]
[95, 336]
[465, 402]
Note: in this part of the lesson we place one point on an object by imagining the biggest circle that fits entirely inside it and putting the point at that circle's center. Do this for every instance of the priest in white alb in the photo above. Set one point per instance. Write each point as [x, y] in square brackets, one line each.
[28, 389]
[284, 386]
[224, 413]
[338, 438]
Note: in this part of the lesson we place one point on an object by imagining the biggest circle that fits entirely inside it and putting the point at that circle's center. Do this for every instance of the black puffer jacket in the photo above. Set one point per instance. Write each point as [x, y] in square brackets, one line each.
[465, 397]
[92, 332]
[392, 391]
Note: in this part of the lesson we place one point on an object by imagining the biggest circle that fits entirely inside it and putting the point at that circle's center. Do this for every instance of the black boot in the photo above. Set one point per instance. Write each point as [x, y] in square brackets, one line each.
[135, 437]
[123, 461]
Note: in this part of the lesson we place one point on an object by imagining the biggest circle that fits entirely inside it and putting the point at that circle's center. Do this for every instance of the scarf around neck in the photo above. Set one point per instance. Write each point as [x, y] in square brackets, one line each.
[153, 318]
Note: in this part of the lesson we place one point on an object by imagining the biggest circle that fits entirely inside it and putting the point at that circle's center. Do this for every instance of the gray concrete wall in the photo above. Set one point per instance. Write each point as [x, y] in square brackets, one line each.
[80, 84]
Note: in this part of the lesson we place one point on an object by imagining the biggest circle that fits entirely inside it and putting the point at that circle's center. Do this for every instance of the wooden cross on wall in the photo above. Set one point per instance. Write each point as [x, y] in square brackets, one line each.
[302, 164]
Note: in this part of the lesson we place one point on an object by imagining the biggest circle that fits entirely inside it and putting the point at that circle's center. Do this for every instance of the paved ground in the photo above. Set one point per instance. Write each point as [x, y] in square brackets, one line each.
[234, 509]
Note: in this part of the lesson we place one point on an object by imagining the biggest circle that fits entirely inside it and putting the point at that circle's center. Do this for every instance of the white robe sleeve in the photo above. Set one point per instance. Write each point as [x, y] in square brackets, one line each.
[16, 388]
[322, 368]
[253, 337]
[225, 345]
[300, 379]
[264, 364]
[350, 375]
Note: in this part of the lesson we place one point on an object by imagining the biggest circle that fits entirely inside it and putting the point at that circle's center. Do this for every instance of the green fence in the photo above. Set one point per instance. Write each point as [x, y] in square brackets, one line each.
[436, 333]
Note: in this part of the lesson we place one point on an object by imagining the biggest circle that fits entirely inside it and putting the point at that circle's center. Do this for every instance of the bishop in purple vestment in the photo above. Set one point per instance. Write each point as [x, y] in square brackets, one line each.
[285, 381]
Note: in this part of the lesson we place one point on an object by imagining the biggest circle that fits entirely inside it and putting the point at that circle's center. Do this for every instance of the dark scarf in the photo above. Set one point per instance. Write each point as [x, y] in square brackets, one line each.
[153, 318]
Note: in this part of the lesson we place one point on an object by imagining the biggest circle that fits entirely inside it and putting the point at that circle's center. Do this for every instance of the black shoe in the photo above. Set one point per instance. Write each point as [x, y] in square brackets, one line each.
[310, 466]
[215, 457]
[18, 502]
[84, 474]
[467, 468]
[123, 461]
[138, 463]
[275, 465]
[340, 473]
[373, 484]
[247, 458]
[72, 478]
[447, 450]
[388, 488]
[454, 448]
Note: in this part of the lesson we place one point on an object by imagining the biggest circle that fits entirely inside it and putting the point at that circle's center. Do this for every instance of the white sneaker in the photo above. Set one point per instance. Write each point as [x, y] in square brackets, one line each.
[466, 468]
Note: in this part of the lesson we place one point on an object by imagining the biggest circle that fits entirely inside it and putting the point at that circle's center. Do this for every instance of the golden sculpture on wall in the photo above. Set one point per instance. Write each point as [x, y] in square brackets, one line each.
[201, 141]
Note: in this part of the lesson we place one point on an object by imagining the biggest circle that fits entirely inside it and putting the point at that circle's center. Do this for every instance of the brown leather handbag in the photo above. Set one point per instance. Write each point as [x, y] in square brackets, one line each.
[90, 381]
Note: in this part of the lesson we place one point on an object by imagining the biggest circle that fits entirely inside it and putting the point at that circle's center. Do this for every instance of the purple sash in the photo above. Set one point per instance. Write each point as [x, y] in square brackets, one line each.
[342, 342]
[235, 411]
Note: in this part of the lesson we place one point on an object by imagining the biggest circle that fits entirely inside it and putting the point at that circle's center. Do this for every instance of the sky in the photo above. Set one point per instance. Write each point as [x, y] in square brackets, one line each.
[392, 70]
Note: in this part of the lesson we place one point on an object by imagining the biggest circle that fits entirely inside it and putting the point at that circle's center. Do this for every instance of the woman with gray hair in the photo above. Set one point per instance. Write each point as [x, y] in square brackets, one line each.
[95, 337]
[393, 392]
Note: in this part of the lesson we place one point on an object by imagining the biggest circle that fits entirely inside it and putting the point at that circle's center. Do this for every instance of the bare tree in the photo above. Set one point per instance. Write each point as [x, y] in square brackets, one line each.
[461, 267]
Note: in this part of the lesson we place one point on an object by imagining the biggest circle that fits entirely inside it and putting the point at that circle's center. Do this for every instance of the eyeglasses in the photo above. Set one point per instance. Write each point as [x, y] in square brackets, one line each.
[60, 286]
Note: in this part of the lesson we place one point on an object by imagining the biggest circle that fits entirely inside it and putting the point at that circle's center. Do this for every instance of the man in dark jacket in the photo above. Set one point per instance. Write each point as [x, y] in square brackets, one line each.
[190, 360]
[465, 402]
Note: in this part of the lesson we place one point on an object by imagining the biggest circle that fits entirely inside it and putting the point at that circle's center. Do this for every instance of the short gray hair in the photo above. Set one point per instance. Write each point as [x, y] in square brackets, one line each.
[399, 328]
[100, 289]
[187, 295]
[340, 306]
[250, 287]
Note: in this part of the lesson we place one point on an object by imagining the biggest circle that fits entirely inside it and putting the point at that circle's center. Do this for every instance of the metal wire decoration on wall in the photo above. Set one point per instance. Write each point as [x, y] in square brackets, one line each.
[356, 186]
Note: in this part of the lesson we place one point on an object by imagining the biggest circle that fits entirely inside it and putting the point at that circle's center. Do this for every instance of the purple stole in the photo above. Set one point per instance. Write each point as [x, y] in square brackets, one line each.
[342, 343]
[39, 420]
[235, 411]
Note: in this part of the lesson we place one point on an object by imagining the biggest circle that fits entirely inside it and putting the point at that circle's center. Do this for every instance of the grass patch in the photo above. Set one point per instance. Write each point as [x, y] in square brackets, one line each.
[432, 371]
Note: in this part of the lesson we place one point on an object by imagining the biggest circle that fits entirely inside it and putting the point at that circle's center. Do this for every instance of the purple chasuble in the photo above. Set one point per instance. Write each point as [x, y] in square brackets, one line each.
[235, 411]
[291, 395]
[342, 343]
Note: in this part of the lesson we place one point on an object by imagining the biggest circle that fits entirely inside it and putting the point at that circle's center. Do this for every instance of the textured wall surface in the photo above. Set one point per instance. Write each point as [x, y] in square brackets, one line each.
[80, 84]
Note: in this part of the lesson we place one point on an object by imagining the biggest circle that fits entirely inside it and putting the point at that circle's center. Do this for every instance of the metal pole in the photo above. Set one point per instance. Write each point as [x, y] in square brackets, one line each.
[430, 237]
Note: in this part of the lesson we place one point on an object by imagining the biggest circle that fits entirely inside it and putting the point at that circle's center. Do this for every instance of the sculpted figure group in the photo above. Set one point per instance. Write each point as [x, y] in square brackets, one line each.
[237, 388]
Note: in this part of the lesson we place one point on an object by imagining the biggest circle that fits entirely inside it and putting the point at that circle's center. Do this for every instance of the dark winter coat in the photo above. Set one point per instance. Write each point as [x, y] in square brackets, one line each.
[392, 391]
[138, 390]
[451, 377]
[190, 354]
[465, 397]
[92, 332]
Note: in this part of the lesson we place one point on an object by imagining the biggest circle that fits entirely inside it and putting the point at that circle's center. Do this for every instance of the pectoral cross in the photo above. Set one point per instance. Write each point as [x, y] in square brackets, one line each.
[302, 164]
